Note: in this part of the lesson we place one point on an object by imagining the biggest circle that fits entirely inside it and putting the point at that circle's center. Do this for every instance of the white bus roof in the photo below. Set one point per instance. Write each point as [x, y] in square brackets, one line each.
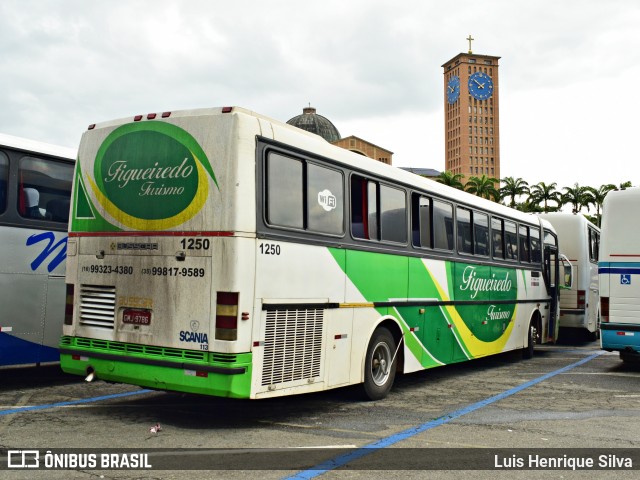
[294, 136]
[564, 218]
[36, 146]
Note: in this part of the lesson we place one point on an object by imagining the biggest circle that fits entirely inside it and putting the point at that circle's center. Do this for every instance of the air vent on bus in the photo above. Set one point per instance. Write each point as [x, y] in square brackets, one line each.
[292, 345]
[97, 306]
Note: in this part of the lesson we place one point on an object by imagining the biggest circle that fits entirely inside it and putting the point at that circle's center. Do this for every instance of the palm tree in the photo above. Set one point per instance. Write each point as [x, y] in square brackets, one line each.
[626, 184]
[529, 206]
[451, 179]
[543, 192]
[578, 197]
[483, 187]
[598, 197]
[513, 187]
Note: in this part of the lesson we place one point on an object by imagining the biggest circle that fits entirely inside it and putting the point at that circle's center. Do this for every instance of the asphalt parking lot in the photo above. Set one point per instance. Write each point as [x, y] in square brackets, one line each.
[571, 399]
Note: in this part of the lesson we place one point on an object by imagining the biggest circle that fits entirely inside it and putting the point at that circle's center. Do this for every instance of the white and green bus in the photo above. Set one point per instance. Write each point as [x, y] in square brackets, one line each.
[217, 251]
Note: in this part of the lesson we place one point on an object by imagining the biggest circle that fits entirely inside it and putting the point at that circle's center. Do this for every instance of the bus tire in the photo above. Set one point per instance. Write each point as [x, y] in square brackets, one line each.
[596, 335]
[379, 371]
[527, 351]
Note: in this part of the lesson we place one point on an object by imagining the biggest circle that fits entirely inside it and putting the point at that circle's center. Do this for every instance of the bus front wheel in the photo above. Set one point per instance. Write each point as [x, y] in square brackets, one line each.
[527, 352]
[379, 365]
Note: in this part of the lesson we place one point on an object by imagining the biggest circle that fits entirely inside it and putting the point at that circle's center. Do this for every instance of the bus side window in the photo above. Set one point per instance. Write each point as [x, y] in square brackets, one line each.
[536, 248]
[284, 191]
[442, 225]
[481, 233]
[393, 214]
[372, 211]
[594, 240]
[497, 238]
[45, 186]
[358, 207]
[421, 221]
[463, 223]
[524, 244]
[325, 200]
[510, 240]
[4, 174]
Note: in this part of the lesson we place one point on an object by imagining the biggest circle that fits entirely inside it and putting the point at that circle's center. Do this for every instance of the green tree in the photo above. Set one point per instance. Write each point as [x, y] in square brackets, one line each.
[451, 179]
[578, 197]
[529, 206]
[483, 187]
[598, 197]
[512, 188]
[545, 193]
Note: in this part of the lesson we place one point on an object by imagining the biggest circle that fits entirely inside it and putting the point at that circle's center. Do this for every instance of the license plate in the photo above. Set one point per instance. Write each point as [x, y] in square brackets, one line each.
[136, 316]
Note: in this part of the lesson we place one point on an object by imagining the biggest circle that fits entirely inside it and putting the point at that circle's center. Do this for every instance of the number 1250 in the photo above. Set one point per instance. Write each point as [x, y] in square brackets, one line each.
[269, 249]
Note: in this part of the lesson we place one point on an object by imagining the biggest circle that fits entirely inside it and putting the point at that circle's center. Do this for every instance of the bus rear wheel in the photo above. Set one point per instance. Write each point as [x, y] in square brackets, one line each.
[379, 365]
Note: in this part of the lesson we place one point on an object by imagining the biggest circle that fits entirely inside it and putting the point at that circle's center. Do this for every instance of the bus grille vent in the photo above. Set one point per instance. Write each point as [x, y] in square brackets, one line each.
[97, 306]
[292, 345]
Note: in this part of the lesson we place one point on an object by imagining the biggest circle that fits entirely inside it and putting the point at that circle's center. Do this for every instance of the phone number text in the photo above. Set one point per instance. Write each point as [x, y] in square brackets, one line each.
[108, 269]
[174, 271]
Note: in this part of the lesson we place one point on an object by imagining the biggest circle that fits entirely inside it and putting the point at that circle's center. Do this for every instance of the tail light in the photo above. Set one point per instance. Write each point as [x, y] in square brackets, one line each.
[68, 308]
[604, 309]
[582, 296]
[227, 316]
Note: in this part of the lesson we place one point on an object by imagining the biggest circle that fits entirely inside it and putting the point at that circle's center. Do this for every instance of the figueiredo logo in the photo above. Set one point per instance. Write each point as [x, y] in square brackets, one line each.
[151, 175]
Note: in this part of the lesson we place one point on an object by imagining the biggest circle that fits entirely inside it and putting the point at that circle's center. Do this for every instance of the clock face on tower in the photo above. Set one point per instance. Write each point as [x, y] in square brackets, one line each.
[453, 89]
[480, 86]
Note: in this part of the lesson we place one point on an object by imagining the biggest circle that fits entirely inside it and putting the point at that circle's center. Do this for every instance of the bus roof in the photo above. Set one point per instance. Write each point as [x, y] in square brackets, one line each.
[619, 219]
[28, 145]
[565, 218]
[310, 142]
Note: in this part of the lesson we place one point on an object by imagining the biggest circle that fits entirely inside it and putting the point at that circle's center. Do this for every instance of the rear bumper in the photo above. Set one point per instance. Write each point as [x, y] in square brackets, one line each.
[573, 318]
[230, 377]
[620, 337]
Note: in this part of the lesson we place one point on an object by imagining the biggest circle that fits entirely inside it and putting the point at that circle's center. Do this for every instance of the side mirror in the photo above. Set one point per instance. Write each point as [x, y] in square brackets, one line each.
[567, 272]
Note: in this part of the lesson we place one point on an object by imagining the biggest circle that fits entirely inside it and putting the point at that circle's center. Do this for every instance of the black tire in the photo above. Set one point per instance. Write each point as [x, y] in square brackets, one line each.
[527, 351]
[596, 334]
[630, 358]
[379, 371]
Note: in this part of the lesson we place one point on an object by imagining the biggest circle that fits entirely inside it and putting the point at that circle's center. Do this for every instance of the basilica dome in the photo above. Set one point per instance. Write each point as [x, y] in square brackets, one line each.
[314, 123]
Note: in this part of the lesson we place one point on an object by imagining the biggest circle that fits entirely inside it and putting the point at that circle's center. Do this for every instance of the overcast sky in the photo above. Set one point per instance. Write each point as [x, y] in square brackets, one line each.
[569, 70]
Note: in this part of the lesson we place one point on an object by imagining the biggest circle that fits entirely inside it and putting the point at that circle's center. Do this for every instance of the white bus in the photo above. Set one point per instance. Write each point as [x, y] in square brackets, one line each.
[619, 270]
[35, 188]
[217, 251]
[580, 242]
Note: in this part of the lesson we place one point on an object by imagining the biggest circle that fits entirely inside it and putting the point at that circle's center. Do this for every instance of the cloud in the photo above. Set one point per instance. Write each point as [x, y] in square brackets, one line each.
[372, 67]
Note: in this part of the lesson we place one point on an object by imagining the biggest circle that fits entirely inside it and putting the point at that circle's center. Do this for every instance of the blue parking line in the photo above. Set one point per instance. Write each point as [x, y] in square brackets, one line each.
[71, 402]
[342, 460]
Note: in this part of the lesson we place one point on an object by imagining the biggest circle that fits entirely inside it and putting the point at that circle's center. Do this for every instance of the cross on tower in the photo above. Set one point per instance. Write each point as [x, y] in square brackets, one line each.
[470, 38]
